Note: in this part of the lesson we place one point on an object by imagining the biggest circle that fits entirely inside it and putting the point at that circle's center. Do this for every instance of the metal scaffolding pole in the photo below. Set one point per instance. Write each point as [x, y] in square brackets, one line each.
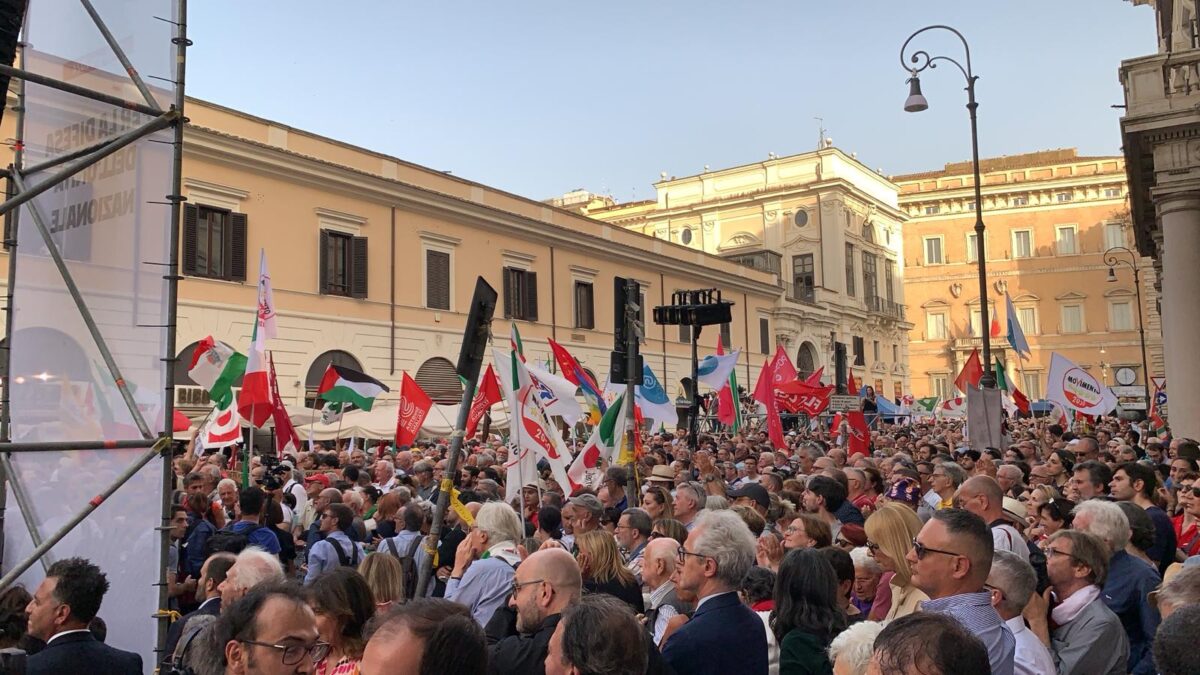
[120, 54]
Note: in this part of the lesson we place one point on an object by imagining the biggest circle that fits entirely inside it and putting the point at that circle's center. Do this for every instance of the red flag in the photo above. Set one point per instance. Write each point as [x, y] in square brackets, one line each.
[995, 330]
[851, 385]
[286, 438]
[806, 398]
[486, 396]
[814, 380]
[1020, 400]
[180, 422]
[860, 434]
[415, 404]
[971, 373]
[836, 425]
[764, 393]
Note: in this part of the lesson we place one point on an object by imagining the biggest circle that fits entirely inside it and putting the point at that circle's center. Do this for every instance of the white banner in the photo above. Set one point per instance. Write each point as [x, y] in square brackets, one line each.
[1075, 388]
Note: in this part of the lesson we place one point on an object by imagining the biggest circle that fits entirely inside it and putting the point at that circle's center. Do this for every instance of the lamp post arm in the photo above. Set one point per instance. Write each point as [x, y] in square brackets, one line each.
[922, 60]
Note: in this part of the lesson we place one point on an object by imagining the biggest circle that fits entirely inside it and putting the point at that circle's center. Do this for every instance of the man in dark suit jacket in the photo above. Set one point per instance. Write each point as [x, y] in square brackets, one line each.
[212, 573]
[718, 553]
[59, 613]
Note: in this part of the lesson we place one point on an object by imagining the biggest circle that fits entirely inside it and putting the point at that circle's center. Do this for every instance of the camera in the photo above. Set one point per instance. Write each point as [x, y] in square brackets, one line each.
[275, 476]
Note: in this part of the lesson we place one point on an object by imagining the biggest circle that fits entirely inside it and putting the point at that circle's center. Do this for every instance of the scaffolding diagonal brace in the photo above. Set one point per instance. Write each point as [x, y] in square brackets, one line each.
[120, 53]
[26, 506]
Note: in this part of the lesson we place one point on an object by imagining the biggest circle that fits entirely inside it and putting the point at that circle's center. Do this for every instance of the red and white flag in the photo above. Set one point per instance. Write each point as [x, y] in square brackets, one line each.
[286, 438]
[222, 429]
[486, 396]
[860, 434]
[541, 438]
[265, 328]
[804, 397]
[415, 405]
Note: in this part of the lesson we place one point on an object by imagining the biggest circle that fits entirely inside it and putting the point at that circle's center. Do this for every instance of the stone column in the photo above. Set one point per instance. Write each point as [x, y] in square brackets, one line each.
[1179, 215]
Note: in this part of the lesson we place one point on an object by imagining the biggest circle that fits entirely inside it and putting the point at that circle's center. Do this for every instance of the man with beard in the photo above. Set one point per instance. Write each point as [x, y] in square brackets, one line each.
[519, 635]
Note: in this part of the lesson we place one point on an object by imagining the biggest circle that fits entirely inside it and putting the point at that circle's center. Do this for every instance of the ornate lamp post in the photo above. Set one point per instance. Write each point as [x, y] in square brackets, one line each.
[915, 63]
[1111, 259]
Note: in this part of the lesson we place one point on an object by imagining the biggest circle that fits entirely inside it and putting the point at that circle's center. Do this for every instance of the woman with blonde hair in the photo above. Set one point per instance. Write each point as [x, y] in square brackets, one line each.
[604, 572]
[385, 577]
[890, 533]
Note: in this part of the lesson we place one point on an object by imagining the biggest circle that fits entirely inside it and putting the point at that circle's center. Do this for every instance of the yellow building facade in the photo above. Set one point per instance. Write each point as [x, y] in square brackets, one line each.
[826, 225]
[1050, 217]
[373, 262]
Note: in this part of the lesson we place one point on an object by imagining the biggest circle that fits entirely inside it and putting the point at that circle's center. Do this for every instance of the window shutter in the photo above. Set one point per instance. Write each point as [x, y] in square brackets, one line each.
[323, 262]
[508, 289]
[531, 313]
[191, 214]
[726, 335]
[685, 333]
[437, 280]
[764, 336]
[237, 246]
[358, 268]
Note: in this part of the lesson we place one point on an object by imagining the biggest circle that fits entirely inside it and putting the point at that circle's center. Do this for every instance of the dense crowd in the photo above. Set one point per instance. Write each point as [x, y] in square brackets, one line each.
[1066, 551]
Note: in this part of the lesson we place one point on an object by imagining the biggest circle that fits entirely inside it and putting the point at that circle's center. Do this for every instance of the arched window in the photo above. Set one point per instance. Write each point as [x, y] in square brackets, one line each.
[312, 381]
[439, 381]
[806, 360]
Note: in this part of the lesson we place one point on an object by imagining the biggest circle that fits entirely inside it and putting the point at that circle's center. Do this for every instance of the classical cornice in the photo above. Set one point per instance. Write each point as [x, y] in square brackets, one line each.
[777, 193]
[202, 143]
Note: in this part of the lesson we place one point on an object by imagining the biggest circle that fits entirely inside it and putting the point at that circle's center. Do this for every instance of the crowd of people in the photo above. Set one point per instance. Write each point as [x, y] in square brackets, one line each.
[1070, 551]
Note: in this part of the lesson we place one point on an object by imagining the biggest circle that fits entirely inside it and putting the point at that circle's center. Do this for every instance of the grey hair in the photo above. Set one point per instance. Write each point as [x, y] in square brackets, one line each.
[1088, 550]
[256, 566]
[1018, 475]
[862, 558]
[1175, 643]
[391, 468]
[422, 466]
[696, 491]
[957, 474]
[224, 482]
[500, 522]
[724, 537]
[1108, 522]
[1182, 589]
[856, 644]
[1015, 577]
[716, 503]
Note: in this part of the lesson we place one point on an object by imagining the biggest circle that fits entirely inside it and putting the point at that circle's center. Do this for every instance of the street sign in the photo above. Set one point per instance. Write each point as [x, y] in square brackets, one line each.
[838, 403]
[1160, 398]
[1138, 404]
[1135, 390]
[1159, 381]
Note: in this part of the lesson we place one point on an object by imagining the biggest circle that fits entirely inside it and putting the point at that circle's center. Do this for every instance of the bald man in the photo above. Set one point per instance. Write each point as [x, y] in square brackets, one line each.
[546, 583]
[658, 565]
[983, 496]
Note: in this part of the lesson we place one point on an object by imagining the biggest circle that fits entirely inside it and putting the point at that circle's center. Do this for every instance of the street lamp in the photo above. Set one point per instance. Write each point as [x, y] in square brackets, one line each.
[915, 64]
[1111, 259]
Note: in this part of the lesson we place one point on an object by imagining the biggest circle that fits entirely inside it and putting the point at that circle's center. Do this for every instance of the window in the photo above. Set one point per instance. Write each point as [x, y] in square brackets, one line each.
[1072, 319]
[976, 322]
[1020, 201]
[933, 251]
[1120, 315]
[1022, 244]
[520, 294]
[1028, 318]
[895, 353]
[898, 390]
[860, 348]
[726, 335]
[889, 278]
[1064, 240]
[936, 326]
[1112, 193]
[850, 270]
[764, 335]
[940, 385]
[1114, 235]
[437, 279]
[214, 243]
[870, 276]
[1063, 197]
[803, 279]
[1033, 386]
[585, 308]
[875, 349]
[933, 210]
[343, 264]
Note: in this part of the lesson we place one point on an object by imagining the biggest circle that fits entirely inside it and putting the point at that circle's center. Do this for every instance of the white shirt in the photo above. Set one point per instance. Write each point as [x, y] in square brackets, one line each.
[665, 612]
[1007, 538]
[66, 632]
[1032, 657]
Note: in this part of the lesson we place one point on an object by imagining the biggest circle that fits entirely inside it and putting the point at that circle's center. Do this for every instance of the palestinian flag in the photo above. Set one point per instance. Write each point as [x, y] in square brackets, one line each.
[345, 385]
[216, 367]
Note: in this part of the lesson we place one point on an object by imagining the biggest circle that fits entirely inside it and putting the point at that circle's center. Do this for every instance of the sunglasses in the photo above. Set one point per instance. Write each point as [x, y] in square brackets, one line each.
[923, 550]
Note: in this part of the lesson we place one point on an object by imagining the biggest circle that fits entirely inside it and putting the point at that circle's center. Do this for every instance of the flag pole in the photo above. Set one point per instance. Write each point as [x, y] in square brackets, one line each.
[246, 451]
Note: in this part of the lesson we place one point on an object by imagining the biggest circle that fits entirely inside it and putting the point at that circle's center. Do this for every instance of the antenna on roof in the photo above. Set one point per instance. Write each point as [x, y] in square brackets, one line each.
[820, 132]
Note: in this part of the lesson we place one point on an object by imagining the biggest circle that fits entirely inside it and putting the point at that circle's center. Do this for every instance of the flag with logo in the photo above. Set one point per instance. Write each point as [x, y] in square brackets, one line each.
[574, 372]
[556, 393]
[653, 401]
[764, 393]
[346, 385]
[286, 438]
[542, 438]
[604, 445]
[486, 396]
[222, 428]
[1158, 425]
[953, 408]
[859, 442]
[1075, 388]
[714, 371]
[266, 328]
[806, 398]
[414, 406]
[729, 409]
[216, 367]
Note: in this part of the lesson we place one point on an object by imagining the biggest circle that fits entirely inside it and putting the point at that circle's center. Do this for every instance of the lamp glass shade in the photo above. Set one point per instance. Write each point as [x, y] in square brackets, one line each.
[916, 100]
[1112, 275]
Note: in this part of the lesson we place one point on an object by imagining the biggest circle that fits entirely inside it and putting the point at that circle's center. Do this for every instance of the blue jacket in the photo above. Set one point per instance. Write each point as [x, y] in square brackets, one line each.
[1129, 581]
[193, 547]
[257, 535]
[706, 645]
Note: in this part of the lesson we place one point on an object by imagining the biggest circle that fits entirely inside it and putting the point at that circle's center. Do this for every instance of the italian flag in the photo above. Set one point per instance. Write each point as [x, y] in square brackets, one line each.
[254, 400]
[216, 367]
[729, 412]
[604, 444]
[345, 385]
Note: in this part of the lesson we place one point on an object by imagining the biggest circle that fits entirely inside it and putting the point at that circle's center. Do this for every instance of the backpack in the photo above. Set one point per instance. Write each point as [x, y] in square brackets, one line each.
[345, 560]
[1037, 558]
[227, 541]
[408, 563]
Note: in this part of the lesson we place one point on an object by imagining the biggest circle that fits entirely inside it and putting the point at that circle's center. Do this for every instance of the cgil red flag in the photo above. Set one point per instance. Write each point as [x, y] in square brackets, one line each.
[814, 380]
[486, 396]
[851, 385]
[764, 393]
[807, 398]
[286, 438]
[971, 373]
[860, 433]
[415, 404]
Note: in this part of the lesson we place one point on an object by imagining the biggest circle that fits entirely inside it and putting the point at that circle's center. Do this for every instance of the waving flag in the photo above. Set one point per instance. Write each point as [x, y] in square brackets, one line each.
[954, 407]
[541, 438]
[574, 372]
[556, 394]
[925, 405]
[1076, 388]
[1016, 336]
[764, 393]
[729, 409]
[414, 406]
[222, 428]
[286, 438]
[346, 385]
[653, 400]
[216, 367]
[851, 385]
[806, 398]
[266, 328]
[254, 400]
[486, 396]
[972, 372]
[714, 370]
[603, 446]
[814, 380]
[860, 435]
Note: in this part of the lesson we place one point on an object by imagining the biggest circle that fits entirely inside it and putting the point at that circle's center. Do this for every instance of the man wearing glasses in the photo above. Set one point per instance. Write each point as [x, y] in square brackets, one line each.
[950, 559]
[544, 586]
[271, 631]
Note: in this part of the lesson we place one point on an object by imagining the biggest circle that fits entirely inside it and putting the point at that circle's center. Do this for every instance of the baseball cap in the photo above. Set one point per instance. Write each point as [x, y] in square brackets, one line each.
[318, 478]
[754, 491]
[587, 501]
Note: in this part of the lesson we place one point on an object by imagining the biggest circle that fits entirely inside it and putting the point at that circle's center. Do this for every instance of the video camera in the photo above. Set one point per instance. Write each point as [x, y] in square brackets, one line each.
[276, 474]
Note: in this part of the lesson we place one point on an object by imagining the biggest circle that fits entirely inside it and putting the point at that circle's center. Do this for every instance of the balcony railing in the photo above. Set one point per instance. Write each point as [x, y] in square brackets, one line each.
[887, 308]
[766, 261]
[801, 293]
[1161, 83]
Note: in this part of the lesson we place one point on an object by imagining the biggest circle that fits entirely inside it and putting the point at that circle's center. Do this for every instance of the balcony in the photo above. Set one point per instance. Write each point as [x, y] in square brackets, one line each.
[801, 293]
[764, 261]
[892, 310]
[1161, 84]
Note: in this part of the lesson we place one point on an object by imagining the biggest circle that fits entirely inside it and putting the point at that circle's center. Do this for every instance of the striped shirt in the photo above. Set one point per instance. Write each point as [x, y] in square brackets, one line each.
[975, 612]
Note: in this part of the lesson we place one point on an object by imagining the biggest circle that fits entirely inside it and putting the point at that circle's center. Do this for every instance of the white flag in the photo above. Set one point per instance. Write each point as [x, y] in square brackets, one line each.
[714, 371]
[222, 428]
[555, 393]
[1075, 388]
[266, 305]
[542, 438]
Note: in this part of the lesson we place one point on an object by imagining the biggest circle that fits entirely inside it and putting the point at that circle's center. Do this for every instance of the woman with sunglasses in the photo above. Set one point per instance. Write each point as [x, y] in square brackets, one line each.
[890, 533]
[343, 604]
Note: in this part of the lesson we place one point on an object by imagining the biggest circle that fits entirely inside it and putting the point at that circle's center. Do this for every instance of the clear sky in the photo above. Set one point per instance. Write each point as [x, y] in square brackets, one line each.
[540, 97]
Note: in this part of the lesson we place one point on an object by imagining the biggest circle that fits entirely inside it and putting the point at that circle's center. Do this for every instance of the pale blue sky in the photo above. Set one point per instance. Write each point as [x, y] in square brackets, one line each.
[541, 97]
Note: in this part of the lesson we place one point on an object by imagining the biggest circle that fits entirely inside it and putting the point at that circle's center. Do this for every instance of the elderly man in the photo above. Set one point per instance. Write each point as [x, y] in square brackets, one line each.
[1012, 582]
[950, 560]
[484, 562]
[1077, 564]
[982, 496]
[1009, 477]
[657, 569]
[632, 534]
[384, 473]
[718, 553]
[1129, 582]
[1179, 590]
[614, 482]
[253, 567]
[689, 501]
[944, 481]
[545, 585]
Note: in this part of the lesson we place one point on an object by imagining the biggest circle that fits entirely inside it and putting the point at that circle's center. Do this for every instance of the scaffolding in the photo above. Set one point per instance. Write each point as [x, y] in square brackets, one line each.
[151, 113]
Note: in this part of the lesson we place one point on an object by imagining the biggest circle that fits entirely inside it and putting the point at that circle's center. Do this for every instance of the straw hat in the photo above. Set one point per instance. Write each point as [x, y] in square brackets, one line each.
[661, 473]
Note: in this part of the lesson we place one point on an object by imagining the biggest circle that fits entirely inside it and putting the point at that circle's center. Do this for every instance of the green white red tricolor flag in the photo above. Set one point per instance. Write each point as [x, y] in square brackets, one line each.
[254, 400]
[216, 367]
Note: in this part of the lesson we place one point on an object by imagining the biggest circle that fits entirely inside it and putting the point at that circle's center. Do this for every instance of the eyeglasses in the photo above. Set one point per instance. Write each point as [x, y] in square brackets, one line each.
[922, 550]
[327, 515]
[1196, 491]
[872, 546]
[681, 554]
[293, 654]
[842, 543]
[517, 585]
[1051, 552]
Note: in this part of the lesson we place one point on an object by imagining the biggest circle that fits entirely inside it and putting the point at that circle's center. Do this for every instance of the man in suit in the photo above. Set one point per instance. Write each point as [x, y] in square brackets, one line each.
[718, 553]
[59, 613]
[212, 573]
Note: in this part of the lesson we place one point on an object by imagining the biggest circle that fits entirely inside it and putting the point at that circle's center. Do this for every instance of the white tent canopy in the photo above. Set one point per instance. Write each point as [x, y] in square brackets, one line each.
[380, 422]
